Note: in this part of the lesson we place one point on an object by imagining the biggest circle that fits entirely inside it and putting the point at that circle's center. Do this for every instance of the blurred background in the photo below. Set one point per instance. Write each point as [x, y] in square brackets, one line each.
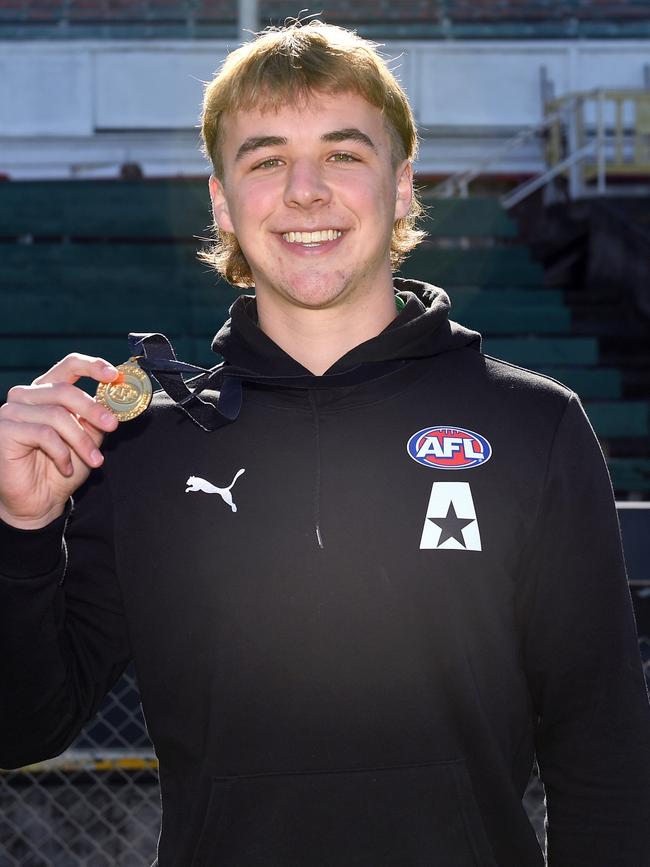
[534, 165]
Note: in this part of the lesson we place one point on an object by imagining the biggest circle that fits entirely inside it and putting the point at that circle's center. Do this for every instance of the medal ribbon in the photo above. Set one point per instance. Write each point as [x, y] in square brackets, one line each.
[156, 356]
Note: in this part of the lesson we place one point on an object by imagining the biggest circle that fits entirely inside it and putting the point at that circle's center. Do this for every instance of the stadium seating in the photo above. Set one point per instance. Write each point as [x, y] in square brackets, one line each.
[452, 218]
[597, 383]
[105, 209]
[80, 277]
[630, 474]
[392, 18]
[620, 418]
[497, 266]
[533, 351]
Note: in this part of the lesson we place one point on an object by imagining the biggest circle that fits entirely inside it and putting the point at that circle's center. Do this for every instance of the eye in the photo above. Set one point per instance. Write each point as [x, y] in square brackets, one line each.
[270, 163]
[342, 157]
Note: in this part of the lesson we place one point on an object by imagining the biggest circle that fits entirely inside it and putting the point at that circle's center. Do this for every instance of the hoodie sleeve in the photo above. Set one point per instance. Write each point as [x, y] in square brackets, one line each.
[62, 630]
[583, 665]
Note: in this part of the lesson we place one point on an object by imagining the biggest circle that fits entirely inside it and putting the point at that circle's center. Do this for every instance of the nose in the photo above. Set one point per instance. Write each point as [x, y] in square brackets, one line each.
[306, 185]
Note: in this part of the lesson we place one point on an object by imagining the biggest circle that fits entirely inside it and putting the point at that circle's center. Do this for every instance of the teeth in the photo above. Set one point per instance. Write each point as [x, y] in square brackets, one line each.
[312, 237]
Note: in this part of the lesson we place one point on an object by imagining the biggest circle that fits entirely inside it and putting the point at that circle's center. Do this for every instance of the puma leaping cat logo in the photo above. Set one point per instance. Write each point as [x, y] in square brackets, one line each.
[196, 484]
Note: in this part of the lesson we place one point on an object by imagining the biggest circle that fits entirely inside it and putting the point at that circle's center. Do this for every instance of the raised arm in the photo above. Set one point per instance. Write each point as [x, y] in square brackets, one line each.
[50, 434]
[62, 634]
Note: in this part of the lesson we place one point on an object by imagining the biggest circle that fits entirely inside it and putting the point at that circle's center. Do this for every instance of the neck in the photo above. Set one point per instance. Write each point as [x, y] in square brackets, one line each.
[317, 338]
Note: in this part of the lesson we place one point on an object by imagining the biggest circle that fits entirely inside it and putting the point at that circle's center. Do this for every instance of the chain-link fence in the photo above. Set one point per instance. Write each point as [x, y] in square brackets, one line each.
[98, 805]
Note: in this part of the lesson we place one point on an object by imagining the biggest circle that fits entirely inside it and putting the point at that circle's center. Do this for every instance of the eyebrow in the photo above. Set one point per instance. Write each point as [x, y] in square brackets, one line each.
[349, 134]
[255, 143]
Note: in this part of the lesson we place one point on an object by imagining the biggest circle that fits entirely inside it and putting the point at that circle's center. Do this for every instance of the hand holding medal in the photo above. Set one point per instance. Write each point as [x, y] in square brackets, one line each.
[51, 433]
[129, 395]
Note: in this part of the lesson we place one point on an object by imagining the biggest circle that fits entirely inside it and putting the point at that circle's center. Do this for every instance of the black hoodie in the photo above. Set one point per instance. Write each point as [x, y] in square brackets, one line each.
[350, 652]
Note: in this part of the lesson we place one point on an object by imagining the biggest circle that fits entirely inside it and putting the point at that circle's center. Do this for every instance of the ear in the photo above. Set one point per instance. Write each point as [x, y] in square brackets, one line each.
[404, 195]
[220, 208]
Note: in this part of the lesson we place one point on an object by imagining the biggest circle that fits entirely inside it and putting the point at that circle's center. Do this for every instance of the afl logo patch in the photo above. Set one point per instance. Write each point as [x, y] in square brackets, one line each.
[449, 448]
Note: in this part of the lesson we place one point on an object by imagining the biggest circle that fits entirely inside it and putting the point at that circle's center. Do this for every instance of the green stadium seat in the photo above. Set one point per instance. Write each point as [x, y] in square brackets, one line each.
[500, 266]
[624, 418]
[42, 352]
[599, 383]
[516, 320]
[472, 217]
[534, 352]
[630, 474]
[66, 314]
[156, 269]
[169, 209]
[489, 296]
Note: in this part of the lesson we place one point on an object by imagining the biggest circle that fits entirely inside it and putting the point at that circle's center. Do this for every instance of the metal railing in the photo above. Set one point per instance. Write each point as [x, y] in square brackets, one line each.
[588, 137]
[458, 183]
[616, 123]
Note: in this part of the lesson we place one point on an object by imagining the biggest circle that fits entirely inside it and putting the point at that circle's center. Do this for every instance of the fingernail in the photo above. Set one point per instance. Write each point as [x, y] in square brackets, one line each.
[96, 457]
[110, 370]
[107, 418]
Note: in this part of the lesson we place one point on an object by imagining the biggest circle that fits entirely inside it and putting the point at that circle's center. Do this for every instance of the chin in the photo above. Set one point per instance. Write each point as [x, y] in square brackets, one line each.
[316, 300]
[315, 297]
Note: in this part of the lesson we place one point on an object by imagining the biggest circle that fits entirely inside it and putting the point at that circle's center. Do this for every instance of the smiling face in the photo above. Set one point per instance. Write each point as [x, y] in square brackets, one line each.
[312, 193]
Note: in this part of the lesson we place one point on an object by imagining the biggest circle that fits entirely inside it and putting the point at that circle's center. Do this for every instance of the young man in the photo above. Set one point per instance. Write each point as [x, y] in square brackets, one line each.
[410, 582]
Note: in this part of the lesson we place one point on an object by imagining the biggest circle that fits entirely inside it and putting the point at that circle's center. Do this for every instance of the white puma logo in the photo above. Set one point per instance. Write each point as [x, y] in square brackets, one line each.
[196, 484]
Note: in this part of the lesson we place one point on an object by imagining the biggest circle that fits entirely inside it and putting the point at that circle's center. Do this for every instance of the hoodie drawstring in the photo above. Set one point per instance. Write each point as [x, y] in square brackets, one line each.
[316, 420]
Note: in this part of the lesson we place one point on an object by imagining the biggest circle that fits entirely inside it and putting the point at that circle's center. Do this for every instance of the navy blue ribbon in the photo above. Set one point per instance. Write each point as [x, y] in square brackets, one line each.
[156, 356]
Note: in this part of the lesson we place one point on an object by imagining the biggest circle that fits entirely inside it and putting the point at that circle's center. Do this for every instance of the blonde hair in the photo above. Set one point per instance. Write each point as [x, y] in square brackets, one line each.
[288, 64]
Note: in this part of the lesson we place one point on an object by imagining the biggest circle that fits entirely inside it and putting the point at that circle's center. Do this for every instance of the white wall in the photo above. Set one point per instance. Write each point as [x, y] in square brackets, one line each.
[82, 108]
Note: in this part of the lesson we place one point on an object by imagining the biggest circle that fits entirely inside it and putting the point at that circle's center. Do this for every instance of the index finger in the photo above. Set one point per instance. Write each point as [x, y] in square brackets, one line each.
[74, 366]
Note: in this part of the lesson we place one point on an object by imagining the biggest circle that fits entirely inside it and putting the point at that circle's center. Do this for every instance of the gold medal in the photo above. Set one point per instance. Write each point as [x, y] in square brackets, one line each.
[129, 395]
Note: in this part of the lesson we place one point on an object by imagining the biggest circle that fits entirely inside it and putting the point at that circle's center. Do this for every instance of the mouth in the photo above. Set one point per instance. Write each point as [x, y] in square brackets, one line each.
[311, 239]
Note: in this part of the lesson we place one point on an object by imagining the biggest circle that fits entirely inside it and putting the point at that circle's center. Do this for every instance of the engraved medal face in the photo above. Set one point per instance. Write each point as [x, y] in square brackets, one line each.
[129, 395]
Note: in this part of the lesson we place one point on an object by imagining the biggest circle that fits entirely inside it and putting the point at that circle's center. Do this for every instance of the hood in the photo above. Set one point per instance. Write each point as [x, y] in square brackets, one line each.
[420, 330]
